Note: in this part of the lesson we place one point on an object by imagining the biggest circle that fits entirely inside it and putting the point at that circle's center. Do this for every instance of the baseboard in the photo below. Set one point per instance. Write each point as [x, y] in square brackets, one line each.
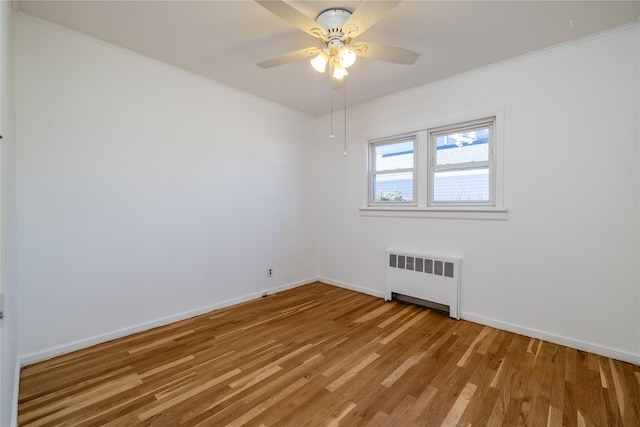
[368, 291]
[554, 338]
[16, 392]
[30, 358]
[291, 285]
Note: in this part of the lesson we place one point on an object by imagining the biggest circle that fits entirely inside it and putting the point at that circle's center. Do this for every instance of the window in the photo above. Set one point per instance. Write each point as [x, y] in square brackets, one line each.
[450, 169]
[392, 171]
[461, 164]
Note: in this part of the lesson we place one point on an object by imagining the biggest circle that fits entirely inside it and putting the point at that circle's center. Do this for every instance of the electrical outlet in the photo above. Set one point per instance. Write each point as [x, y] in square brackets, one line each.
[270, 272]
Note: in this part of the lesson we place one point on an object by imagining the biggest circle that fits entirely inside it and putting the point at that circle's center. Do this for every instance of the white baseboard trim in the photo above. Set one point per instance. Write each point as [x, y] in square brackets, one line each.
[368, 291]
[554, 338]
[30, 358]
[16, 392]
[291, 285]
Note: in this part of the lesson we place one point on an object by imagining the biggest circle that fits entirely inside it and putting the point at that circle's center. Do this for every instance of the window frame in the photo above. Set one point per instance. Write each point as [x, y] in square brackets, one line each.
[372, 173]
[488, 122]
[422, 207]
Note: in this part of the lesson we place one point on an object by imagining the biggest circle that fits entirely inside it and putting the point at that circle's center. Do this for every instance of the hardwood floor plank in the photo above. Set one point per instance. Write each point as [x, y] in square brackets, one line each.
[395, 375]
[344, 378]
[299, 405]
[373, 314]
[481, 336]
[319, 355]
[400, 330]
[401, 413]
[335, 421]
[459, 405]
[61, 408]
[258, 409]
[184, 393]
[395, 317]
[554, 417]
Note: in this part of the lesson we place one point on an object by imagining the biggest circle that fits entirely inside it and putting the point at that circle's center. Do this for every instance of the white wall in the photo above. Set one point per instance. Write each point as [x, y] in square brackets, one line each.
[9, 368]
[564, 265]
[146, 194]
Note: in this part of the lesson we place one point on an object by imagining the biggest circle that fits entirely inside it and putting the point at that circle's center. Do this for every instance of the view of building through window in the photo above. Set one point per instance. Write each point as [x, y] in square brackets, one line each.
[461, 171]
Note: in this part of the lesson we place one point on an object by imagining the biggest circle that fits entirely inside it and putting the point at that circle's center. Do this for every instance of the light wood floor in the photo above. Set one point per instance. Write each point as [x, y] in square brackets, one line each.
[324, 356]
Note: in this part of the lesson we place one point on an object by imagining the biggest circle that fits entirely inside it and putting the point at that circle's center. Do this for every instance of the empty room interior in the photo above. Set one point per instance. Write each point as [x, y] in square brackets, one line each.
[211, 215]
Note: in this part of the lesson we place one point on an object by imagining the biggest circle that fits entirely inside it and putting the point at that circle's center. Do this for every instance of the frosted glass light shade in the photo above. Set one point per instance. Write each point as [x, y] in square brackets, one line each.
[319, 63]
[347, 57]
[339, 72]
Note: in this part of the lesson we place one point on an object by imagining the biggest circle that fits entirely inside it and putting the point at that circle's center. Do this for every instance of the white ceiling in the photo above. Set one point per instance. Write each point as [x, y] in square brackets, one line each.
[223, 40]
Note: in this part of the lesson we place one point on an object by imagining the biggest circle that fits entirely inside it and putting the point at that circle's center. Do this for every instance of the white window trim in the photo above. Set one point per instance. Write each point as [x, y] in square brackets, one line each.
[371, 160]
[431, 133]
[420, 208]
[450, 212]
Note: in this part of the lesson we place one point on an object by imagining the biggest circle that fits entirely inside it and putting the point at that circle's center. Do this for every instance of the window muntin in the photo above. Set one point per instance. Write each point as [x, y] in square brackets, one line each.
[392, 171]
[461, 164]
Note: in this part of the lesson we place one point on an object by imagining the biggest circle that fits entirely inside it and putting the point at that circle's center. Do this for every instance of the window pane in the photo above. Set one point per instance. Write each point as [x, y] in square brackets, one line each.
[393, 187]
[463, 147]
[394, 156]
[461, 185]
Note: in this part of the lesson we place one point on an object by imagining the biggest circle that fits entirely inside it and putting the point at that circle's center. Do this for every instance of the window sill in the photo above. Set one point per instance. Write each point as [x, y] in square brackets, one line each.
[449, 212]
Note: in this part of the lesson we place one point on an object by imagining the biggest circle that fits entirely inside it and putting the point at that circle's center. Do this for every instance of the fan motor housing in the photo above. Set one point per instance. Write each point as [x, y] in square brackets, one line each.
[332, 20]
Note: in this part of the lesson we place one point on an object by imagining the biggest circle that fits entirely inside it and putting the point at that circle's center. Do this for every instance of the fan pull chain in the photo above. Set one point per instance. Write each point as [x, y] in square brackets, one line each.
[345, 117]
[331, 135]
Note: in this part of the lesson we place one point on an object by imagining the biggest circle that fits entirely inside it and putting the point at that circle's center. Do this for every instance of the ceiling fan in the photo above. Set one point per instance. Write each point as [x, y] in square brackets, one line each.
[336, 29]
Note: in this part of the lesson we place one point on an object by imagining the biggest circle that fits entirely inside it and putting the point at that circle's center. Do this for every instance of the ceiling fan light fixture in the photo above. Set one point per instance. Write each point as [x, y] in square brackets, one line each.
[319, 63]
[347, 57]
[339, 71]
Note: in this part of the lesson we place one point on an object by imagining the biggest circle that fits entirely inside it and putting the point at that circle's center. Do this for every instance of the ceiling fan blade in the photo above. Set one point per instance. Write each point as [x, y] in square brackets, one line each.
[294, 17]
[289, 57]
[397, 55]
[366, 15]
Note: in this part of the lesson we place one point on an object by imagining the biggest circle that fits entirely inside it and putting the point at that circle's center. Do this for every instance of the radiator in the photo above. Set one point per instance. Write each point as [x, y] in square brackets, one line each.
[430, 280]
